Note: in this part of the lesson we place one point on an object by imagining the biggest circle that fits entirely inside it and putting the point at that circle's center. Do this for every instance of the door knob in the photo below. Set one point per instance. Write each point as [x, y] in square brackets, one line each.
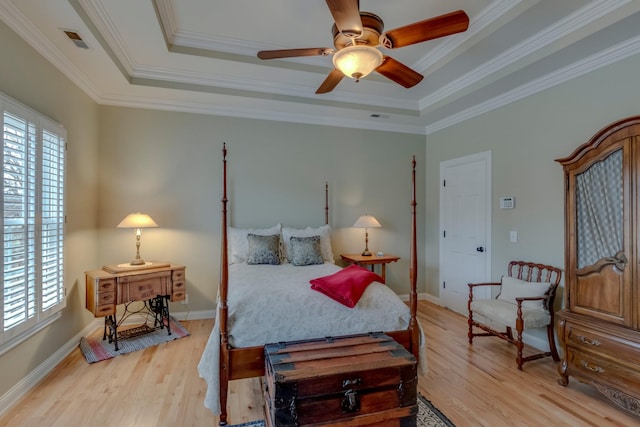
[480, 249]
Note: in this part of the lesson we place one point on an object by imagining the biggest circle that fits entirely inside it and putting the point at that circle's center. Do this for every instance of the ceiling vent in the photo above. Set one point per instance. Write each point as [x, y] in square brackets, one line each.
[76, 39]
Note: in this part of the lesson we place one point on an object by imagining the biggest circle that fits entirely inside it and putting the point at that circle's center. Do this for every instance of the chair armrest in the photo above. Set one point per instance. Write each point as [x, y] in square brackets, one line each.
[543, 297]
[520, 300]
[473, 285]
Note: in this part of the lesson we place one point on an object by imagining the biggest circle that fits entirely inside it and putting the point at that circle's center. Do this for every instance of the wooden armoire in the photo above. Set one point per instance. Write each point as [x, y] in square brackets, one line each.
[599, 326]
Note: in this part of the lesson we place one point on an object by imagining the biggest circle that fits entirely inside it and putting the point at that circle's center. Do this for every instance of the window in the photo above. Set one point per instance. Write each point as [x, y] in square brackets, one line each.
[33, 159]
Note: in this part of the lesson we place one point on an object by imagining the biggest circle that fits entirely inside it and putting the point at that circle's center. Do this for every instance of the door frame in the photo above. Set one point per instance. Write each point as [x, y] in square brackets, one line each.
[486, 157]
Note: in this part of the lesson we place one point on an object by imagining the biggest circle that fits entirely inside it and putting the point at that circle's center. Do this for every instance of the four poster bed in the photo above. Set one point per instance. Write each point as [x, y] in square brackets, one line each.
[261, 303]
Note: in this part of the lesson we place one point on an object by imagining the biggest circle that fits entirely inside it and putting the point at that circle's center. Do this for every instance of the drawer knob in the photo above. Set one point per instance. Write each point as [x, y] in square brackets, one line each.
[588, 341]
[592, 368]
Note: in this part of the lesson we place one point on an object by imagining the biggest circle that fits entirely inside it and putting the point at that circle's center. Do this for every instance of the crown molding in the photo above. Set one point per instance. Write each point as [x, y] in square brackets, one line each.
[259, 114]
[573, 22]
[616, 53]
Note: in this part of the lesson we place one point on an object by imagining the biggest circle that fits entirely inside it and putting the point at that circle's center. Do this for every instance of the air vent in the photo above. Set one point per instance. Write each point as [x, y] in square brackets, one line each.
[76, 39]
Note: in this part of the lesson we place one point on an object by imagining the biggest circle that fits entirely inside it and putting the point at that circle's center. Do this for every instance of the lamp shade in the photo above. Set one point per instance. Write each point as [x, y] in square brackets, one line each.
[137, 220]
[357, 61]
[367, 221]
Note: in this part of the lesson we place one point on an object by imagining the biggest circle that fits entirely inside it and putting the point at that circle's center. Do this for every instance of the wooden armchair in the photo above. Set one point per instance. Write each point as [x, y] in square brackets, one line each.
[525, 301]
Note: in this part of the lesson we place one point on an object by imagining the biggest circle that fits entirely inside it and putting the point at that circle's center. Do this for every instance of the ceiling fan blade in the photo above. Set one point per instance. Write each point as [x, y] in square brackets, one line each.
[429, 29]
[346, 14]
[399, 73]
[331, 81]
[290, 53]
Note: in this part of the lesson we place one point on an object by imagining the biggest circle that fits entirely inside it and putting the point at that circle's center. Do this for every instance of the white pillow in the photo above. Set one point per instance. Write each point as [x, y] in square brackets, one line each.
[325, 240]
[512, 288]
[238, 243]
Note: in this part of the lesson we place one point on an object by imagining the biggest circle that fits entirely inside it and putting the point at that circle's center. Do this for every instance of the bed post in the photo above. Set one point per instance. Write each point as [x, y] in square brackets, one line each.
[413, 269]
[222, 292]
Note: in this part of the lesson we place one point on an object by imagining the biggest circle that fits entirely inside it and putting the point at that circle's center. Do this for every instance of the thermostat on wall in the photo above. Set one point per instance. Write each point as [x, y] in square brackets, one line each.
[507, 202]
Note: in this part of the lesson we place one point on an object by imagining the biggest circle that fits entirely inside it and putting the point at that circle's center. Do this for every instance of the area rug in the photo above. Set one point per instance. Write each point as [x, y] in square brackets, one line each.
[428, 416]
[96, 349]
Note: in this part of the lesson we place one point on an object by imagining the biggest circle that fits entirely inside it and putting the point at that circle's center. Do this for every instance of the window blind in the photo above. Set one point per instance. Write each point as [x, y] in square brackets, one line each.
[33, 161]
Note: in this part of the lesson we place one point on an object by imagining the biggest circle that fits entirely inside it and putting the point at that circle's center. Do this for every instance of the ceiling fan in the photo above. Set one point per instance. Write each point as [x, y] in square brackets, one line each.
[357, 36]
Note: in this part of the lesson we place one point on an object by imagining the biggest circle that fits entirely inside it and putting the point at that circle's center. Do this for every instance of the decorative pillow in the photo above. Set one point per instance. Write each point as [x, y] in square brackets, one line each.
[305, 250]
[325, 240]
[347, 285]
[263, 249]
[512, 288]
[238, 245]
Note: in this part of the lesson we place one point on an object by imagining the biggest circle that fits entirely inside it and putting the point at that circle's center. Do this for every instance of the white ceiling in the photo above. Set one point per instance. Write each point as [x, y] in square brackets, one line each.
[200, 55]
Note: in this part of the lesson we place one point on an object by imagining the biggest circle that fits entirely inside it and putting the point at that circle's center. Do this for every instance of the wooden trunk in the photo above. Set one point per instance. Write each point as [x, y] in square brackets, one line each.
[345, 381]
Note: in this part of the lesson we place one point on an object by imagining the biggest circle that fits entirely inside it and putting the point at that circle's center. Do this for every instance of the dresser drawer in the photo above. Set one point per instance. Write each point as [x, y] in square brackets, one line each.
[104, 310]
[178, 286]
[178, 275]
[142, 287]
[601, 369]
[145, 289]
[592, 341]
[178, 291]
[106, 298]
[106, 285]
[178, 295]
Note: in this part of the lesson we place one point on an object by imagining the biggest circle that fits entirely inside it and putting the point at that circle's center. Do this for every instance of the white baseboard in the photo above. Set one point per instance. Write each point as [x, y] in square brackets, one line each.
[19, 390]
[405, 297]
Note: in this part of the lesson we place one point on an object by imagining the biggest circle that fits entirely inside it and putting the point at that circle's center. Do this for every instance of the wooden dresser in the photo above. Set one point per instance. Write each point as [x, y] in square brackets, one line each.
[156, 284]
[599, 327]
[119, 285]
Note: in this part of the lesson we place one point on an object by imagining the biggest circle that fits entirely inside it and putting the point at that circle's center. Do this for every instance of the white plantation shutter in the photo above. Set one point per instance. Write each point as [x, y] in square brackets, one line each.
[33, 221]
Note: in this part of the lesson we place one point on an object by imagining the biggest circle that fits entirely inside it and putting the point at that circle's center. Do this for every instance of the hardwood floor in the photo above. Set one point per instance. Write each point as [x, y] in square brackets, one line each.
[475, 385]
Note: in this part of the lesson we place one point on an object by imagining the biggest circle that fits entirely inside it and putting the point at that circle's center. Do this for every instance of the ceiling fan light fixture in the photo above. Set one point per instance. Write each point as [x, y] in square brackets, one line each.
[356, 61]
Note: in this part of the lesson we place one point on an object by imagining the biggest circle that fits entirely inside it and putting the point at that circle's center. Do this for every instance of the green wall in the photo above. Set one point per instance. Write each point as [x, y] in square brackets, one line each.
[525, 138]
[169, 165]
[28, 78]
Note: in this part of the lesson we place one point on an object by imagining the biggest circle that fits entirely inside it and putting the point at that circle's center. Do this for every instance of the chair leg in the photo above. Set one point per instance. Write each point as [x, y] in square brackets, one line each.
[552, 343]
[470, 319]
[509, 333]
[519, 344]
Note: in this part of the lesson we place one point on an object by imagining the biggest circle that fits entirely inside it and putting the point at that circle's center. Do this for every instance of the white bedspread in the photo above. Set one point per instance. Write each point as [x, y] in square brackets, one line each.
[273, 303]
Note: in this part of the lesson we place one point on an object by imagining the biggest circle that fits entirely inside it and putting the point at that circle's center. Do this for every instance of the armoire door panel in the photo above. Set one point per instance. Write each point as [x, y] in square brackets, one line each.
[600, 294]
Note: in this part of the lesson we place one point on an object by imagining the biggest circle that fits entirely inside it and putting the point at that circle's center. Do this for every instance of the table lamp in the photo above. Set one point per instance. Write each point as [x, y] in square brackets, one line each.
[366, 222]
[137, 220]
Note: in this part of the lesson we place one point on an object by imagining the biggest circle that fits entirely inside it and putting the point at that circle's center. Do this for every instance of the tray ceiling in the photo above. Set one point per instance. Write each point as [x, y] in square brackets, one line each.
[200, 55]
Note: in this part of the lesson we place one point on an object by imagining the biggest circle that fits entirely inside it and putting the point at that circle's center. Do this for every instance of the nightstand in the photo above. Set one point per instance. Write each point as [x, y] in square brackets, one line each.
[372, 260]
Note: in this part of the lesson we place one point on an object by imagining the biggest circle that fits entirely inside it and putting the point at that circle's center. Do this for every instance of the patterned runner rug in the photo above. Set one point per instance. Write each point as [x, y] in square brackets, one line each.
[96, 349]
[428, 416]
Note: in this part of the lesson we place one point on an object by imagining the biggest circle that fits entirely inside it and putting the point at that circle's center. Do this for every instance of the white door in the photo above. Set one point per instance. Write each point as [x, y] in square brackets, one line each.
[465, 228]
